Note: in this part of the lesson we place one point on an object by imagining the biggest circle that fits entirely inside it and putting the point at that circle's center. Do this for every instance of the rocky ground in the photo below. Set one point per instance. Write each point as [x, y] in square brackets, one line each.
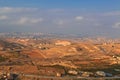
[54, 57]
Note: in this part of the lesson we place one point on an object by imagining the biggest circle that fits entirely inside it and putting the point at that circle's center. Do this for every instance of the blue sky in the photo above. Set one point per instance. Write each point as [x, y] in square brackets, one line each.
[94, 17]
[88, 4]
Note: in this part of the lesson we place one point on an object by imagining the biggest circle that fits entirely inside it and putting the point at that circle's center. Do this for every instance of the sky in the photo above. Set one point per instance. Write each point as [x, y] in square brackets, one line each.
[87, 17]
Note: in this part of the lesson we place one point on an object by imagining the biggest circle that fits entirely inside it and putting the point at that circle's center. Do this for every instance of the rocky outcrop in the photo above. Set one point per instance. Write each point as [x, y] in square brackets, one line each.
[62, 43]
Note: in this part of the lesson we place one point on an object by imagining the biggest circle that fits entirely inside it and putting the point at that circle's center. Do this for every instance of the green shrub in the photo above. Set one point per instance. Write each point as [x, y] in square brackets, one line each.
[2, 58]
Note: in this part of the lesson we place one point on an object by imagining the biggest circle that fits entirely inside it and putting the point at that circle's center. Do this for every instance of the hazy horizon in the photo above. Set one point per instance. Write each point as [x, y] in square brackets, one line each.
[93, 17]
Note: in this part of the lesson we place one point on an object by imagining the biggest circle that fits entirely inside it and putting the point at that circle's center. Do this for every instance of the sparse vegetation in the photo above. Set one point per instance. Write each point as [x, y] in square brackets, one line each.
[44, 58]
[2, 58]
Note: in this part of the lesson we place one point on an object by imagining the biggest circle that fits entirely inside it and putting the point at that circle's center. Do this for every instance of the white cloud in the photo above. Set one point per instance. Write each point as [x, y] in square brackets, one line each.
[23, 20]
[36, 20]
[5, 9]
[3, 17]
[79, 18]
[26, 20]
[56, 18]
[116, 25]
[60, 22]
[114, 13]
[12, 9]
[56, 10]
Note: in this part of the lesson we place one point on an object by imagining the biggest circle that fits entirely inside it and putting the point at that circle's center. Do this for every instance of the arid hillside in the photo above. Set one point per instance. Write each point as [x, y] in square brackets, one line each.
[53, 57]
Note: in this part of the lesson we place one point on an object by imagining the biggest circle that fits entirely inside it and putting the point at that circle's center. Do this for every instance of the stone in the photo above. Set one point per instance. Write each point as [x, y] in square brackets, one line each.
[73, 72]
[109, 75]
[58, 74]
[100, 73]
[86, 74]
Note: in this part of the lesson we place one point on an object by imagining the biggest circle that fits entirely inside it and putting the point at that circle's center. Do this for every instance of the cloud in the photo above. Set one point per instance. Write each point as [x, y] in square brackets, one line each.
[116, 25]
[14, 10]
[5, 9]
[23, 20]
[36, 20]
[56, 10]
[60, 22]
[114, 13]
[79, 18]
[26, 20]
[3, 17]
[65, 20]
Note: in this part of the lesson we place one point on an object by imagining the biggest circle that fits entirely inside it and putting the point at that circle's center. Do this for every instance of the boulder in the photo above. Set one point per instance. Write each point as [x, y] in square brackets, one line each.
[100, 74]
[118, 70]
[58, 75]
[109, 75]
[86, 74]
[73, 72]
